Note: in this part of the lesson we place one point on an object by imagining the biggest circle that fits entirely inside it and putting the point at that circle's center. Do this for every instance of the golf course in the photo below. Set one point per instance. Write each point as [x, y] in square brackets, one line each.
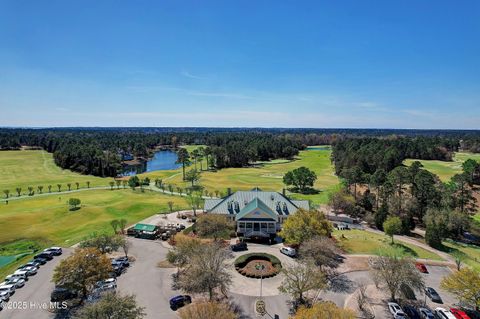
[266, 175]
[445, 170]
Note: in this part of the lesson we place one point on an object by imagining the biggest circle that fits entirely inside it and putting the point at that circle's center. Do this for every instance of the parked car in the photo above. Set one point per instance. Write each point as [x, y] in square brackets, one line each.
[472, 313]
[61, 294]
[31, 263]
[45, 254]
[123, 261]
[290, 252]
[459, 314]
[8, 288]
[110, 282]
[421, 268]
[411, 312]
[396, 311]
[31, 270]
[56, 251]
[18, 274]
[40, 260]
[180, 301]
[443, 313]
[18, 282]
[4, 296]
[117, 270]
[426, 313]
[433, 295]
[241, 246]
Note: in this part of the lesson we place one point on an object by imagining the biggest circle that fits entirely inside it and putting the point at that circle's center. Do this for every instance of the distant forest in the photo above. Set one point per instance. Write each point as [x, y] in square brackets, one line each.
[99, 151]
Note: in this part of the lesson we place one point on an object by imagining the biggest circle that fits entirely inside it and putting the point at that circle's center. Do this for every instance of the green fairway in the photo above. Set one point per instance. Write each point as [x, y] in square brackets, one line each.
[445, 170]
[363, 242]
[267, 176]
[47, 221]
[37, 168]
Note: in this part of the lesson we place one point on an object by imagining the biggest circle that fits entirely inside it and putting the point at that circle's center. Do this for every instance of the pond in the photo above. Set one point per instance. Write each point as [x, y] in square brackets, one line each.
[161, 161]
[319, 148]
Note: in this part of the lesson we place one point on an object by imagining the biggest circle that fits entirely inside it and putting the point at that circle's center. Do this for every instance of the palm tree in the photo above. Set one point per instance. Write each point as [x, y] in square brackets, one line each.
[111, 185]
[77, 184]
[183, 158]
[7, 193]
[69, 186]
[40, 189]
[30, 190]
[201, 154]
[124, 183]
[49, 188]
[195, 156]
[19, 190]
[207, 152]
[217, 192]
[88, 184]
[179, 190]
[59, 186]
[119, 182]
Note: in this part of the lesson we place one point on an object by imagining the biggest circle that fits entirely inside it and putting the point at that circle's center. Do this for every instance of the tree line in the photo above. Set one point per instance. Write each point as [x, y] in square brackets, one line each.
[100, 151]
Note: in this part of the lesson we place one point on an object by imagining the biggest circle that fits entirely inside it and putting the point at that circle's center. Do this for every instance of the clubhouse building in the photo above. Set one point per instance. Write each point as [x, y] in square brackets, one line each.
[257, 214]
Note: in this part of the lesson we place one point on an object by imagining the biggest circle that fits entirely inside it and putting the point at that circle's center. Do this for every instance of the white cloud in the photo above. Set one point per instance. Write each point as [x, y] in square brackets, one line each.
[187, 74]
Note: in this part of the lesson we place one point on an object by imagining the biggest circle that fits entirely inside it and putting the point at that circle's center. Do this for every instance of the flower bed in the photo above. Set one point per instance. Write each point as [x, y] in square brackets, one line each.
[258, 265]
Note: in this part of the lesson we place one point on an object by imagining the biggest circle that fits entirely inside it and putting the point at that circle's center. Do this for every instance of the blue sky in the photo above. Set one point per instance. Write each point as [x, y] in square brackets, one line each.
[385, 64]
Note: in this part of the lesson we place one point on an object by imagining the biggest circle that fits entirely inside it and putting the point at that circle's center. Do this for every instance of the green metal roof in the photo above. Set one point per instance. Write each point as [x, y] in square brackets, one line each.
[256, 204]
[144, 227]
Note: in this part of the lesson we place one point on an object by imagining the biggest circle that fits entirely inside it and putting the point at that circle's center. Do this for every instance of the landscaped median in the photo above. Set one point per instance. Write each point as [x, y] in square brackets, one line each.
[258, 265]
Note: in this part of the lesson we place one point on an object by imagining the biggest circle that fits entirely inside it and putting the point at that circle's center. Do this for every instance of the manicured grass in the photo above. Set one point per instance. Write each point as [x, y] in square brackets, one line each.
[470, 253]
[37, 168]
[445, 170]
[48, 218]
[267, 176]
[363, 242]
[47, 221]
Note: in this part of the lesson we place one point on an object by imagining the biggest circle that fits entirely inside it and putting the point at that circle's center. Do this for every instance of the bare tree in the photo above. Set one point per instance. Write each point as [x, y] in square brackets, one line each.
[126, 246]
[301, 278]
[206, 270]
[323, 251]
[394, 271]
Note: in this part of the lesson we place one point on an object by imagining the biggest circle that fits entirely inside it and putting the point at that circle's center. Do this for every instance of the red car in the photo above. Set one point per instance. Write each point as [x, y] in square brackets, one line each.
[459, 314]
[421, 267]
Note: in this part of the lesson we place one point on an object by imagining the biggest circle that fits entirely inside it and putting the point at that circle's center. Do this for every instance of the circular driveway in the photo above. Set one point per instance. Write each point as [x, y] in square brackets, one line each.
[242, 285]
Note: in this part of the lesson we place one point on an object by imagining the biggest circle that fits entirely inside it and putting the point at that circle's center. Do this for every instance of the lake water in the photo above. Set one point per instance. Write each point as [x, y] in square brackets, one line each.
[161, 161]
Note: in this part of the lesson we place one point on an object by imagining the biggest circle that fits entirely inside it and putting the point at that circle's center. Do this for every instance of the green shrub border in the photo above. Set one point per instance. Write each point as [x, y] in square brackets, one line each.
[241, 261]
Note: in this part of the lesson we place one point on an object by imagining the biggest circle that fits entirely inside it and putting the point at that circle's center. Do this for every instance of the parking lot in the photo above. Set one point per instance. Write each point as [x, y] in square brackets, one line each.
[32, 300]
[152, 286]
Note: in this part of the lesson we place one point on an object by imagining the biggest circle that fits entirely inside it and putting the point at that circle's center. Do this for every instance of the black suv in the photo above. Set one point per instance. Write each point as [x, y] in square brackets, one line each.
[239, 246]
[180, 301]
[45, 255]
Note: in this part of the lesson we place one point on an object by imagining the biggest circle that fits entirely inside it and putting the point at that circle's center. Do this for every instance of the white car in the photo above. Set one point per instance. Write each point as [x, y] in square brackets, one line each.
[31, 270]
[4, 296]
[290, 252]
[17, 281]
[396, 311]
[443, 313]
[18, 274]
[8, 288]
